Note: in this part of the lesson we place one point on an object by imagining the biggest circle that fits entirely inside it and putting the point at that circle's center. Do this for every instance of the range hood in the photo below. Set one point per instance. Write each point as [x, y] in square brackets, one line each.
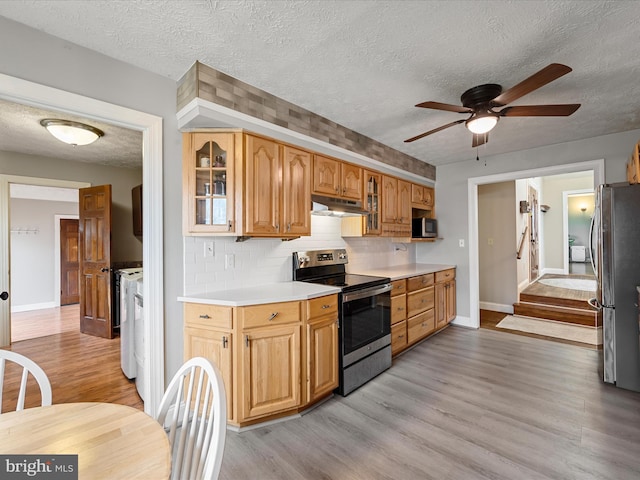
[336, 207]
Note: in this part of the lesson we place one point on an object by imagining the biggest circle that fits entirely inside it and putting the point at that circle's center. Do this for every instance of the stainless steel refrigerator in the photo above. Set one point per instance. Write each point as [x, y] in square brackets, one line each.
[615, 253]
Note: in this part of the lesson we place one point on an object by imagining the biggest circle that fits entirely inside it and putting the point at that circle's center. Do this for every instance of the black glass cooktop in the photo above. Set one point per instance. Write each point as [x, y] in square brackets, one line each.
[350, 281]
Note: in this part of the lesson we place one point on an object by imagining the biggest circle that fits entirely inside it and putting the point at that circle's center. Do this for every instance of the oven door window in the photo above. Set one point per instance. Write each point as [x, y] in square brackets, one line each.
[365, 320]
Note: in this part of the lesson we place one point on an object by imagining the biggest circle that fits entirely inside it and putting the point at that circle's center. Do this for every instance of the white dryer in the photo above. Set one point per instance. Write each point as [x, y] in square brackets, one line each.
[128, 286]
[138, 336]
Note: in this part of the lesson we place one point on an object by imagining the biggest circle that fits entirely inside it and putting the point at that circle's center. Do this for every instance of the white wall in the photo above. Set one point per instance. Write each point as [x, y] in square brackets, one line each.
[259, 260]
[47, 60]
[497, 246]
[579, 222]
[33, 254]
[453, 203]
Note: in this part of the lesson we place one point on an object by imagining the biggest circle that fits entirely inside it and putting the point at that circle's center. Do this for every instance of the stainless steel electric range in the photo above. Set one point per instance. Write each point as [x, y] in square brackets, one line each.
[364, 314]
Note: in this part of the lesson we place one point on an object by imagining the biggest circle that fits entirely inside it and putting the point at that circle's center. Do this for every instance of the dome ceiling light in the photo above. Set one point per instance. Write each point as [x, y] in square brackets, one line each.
[73, 133]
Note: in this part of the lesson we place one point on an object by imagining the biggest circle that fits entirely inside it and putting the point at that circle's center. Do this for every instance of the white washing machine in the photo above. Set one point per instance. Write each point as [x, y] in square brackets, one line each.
[128, 286]
[138, 337]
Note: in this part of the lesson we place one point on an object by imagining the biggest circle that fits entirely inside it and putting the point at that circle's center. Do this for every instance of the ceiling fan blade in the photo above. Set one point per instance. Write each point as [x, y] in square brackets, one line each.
[546, 75]
[539, 110]
[444, 106]
[417, 137]
[479, 139]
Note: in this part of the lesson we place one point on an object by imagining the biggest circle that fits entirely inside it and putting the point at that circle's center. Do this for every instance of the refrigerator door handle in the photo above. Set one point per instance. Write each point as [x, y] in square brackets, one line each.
[591, 250]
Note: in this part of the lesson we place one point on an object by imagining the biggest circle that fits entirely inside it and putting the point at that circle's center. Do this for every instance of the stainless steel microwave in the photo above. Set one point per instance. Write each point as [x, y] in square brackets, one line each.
[424, 228]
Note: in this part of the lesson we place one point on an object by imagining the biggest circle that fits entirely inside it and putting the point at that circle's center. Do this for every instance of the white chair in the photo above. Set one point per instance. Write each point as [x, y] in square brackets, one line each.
[196, 434]
[28, 367]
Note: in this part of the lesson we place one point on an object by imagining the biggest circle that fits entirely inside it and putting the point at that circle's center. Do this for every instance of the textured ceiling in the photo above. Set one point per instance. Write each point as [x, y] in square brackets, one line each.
[365, 64]
[22, 132]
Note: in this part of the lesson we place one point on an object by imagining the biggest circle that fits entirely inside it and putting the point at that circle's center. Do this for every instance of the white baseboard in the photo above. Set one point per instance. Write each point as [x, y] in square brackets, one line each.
[33, 306]
[554, 271]
[522, 285]
[496, 307]
[463, 322]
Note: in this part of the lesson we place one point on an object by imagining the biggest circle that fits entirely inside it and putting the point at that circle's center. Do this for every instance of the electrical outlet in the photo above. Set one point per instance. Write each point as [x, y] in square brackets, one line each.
[229, 261]
[461, 243]
[209, 249]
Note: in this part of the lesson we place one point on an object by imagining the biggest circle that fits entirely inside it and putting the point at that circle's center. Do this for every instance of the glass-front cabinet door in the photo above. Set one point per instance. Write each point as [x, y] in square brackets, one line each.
[372, 203]
[209, 162]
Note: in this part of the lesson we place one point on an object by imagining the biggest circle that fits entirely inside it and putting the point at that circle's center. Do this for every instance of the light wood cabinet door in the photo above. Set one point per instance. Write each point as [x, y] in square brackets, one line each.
[351, 181]
[262, 186]
[451, 300]
[296, 191]
[326, 176]
[422, 197]
[208, 163]
[215, 346]
[322, 357]
[389, 199]
[420, 326]
[398, 308]
[441, 305]
[270, 370]
[372, 202]
[404, 204]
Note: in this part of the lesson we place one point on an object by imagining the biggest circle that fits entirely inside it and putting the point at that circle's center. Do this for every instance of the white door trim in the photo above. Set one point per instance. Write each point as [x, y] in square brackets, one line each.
[29, 93]
[597, 166]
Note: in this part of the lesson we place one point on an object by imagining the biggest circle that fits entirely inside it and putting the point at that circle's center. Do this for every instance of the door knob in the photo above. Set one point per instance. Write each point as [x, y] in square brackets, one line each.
[4, 295]
[104, 270]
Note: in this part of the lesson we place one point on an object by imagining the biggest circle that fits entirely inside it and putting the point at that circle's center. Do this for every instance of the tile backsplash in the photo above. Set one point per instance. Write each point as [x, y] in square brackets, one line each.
[258, 261]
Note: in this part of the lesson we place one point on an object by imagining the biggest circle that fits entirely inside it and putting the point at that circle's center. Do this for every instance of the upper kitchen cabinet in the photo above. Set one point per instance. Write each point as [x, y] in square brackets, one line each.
[396, 207]
[336, 179]
[372, 204]
[209, 163]
[422, 197]
[277, 195]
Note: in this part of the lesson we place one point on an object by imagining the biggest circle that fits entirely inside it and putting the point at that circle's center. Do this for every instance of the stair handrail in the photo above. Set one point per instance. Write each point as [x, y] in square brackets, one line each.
[524, 233]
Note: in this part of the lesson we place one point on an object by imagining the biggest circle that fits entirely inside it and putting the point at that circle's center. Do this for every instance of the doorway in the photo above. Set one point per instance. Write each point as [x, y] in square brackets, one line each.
[25, 92]
[597, 166]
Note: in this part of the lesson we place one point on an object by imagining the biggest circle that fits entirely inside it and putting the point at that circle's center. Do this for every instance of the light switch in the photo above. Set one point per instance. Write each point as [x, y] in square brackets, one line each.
[209, 249]
[461, 242]
[229, 261]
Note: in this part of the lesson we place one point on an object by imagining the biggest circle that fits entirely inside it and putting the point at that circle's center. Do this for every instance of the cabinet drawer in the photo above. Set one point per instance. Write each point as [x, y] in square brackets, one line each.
[398, 287]
[318, 307]
[398, 309]
[269, 314]
[398, 337]
[420, 326]
[445, 275]
[207, 316]
[420, 301]
[419, 282]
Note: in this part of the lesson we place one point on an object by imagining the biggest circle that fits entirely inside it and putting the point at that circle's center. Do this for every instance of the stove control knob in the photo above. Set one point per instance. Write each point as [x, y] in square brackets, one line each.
[303, 261]
[342, 255]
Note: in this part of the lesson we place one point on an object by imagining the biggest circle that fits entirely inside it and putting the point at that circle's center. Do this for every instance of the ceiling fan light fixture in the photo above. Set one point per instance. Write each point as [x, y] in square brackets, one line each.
[480, 124]
[73, 133]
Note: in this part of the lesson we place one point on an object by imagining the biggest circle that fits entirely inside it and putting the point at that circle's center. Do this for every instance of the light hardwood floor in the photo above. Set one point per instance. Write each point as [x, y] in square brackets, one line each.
[81, 368]
[465, 404]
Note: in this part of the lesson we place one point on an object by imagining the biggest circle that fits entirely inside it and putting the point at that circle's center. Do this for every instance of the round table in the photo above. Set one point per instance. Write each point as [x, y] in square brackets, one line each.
[112, 441]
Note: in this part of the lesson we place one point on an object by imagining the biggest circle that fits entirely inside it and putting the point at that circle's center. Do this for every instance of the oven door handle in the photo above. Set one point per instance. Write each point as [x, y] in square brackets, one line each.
[367, 292]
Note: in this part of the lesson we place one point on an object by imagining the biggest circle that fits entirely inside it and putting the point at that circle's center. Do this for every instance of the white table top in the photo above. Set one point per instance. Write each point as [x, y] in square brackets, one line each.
[112, 441]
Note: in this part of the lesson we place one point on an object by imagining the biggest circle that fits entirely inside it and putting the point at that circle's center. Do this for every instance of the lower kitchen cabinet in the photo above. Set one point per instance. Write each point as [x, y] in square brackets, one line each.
[322, 374]
[207, 333]
[445, 297]
[420, 326]
[269, 370]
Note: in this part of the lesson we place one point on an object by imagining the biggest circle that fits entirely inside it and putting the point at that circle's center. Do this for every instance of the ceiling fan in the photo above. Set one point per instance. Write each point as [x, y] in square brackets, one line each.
[482, 101]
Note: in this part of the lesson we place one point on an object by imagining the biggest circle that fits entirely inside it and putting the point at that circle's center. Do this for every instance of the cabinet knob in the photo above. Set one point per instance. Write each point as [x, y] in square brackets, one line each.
[289, 227]
[273, 315]
[229, 226]
[225, 341]
[246, 340]
[326, 306]
[205, 316]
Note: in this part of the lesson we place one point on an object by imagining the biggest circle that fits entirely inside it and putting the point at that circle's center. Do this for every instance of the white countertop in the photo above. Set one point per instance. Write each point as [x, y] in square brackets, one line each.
[398, 272]
[274, 292]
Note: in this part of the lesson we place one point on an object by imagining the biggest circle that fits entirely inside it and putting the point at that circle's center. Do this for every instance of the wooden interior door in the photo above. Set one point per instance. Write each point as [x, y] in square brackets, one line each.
[95, 260]
[69, 262]
[534, 250]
